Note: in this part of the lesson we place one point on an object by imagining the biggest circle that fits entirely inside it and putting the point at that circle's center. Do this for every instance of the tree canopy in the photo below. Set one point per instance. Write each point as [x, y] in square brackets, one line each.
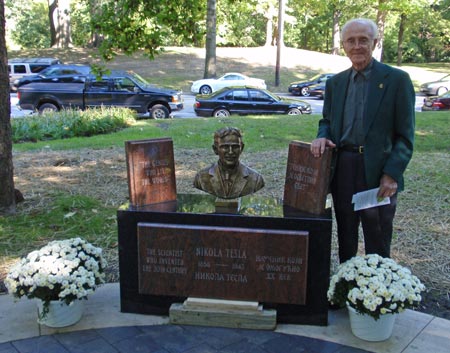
[415, 30]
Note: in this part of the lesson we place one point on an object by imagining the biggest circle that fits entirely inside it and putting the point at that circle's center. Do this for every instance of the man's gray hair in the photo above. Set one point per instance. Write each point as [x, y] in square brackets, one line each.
[363, 21]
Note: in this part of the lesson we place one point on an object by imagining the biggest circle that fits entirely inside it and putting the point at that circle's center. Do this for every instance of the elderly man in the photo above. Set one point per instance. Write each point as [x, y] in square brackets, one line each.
[228, 178]
[368, 118]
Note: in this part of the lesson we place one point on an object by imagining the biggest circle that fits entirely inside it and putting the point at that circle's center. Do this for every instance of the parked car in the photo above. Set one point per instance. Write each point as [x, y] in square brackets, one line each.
[118, 89]
[57, 73]
[436, 88]
[20, 67]
[232, 79]
[247, 100]
[302, 87]
[317, 90]
[441, 102]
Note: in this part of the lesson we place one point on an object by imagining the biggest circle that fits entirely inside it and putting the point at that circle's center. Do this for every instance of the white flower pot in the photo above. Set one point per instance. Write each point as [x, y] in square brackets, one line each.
[367, 328]
[61, 314]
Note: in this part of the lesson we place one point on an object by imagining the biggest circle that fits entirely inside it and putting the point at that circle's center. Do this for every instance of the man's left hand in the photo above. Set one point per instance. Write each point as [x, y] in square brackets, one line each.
[388, 187]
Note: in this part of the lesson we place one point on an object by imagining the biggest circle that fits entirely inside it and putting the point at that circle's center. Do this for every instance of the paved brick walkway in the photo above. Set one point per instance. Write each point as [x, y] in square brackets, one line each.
[173, 339]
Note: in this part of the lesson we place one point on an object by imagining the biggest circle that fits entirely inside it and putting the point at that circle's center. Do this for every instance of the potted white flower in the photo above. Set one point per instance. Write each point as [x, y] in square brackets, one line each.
[60, 274]
[374, 287]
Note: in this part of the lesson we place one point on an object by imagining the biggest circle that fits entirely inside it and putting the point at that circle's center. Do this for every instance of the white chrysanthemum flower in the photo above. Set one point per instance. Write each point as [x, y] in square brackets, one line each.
[55, 271]
[375, 285]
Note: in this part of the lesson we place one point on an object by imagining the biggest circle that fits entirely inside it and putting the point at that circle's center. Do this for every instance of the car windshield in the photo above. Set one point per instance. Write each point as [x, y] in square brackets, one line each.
[46, 71]
[315, 78]
[64, 70]
[138, 79]
[445, 78]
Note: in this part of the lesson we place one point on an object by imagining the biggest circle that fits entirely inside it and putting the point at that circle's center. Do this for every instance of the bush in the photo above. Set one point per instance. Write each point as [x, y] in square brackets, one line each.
[70, 123]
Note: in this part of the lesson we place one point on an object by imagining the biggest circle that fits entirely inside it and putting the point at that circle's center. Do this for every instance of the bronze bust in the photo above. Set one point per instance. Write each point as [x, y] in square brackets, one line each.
[228, 178]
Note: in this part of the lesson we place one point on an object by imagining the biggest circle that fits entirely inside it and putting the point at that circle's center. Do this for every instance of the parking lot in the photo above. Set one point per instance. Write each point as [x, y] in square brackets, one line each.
[188, 111]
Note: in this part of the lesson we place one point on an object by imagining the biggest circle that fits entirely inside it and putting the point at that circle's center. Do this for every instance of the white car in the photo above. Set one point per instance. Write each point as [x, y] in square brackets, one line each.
[436, 88]
[209, 85]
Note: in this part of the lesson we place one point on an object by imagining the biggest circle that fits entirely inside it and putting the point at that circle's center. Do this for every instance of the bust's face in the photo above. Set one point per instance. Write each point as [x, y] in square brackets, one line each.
[229, 149]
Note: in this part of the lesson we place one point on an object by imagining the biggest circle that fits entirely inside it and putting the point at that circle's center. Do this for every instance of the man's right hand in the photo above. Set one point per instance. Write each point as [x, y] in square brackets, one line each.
[318, 146]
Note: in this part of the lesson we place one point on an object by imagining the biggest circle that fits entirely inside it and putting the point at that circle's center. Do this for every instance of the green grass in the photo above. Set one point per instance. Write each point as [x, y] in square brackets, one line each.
[262, 133]
[68, 216]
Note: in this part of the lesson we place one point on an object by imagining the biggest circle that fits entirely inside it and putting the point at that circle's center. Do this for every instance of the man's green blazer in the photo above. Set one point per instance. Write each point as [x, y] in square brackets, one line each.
[388, 122]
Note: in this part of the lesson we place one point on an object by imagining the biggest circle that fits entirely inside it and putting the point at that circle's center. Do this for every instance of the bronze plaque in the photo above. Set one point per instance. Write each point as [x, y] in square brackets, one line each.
[223, 262]
[307, 178]
[151, 171]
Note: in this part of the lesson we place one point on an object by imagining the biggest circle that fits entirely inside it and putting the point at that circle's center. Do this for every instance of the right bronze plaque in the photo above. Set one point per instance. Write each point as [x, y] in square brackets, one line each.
[307, 178]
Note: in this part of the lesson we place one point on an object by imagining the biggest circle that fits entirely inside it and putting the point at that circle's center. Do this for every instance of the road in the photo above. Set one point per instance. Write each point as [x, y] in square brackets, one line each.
[188, 111]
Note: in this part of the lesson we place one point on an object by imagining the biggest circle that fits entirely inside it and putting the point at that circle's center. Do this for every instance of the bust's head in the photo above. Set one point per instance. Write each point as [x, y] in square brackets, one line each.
[228, 145]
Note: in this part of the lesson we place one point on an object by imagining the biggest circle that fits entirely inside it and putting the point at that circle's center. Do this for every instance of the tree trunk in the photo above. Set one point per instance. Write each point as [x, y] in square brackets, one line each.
[210, 44]
[381, 21]
[96, 38]
[280, 40]
[52, 5]
[59, 15]
[401, 31]
[336, 32]
[269, 31]
[7, 195]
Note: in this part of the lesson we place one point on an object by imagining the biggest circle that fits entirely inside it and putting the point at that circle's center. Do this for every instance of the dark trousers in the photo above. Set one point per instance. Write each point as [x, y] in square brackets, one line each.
[377, 222]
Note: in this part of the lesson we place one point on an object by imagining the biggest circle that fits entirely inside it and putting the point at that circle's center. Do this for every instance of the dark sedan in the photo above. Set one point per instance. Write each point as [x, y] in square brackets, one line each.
[441, 102]
[56, 73]
[317, 90]
[302, 87]
[247, 100]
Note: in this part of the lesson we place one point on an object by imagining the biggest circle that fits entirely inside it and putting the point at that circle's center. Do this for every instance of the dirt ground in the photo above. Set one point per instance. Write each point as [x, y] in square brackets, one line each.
[102, 174]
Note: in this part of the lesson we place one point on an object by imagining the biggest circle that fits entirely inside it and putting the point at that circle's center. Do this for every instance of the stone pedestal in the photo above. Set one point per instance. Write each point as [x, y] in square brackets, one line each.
[197, 251]
[222, 313]
[228, 205]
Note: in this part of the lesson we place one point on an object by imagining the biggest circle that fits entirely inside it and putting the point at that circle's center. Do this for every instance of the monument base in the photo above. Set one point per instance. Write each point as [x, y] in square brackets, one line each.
[228, 205]
[223, 313]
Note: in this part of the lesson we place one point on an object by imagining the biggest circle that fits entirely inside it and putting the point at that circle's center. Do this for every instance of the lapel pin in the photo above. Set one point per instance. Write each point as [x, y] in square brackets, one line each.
[381, 85]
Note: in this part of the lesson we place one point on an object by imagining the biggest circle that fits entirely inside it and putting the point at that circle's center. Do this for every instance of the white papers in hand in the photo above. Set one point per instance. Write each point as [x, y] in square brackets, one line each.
[368, 199]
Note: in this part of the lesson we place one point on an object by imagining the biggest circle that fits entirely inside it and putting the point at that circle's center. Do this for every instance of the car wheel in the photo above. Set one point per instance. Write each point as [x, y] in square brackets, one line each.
[305, 91]
[158, 111]
[294, 111]
[441, 90]
[47, 107]
[220, 113]
[205, 90]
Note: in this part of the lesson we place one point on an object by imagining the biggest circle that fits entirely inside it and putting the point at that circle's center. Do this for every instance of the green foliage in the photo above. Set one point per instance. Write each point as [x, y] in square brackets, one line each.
[32, 27]
[70, 123]
[80, 23]
[238, 25]
[132, 25]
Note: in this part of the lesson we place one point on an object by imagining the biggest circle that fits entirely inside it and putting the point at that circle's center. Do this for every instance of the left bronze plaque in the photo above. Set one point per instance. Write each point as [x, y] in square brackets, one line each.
[223, 262]
[151, 171]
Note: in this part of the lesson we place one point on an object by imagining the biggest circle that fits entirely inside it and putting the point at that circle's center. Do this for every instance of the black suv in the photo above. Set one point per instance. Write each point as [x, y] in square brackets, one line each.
[57, 73]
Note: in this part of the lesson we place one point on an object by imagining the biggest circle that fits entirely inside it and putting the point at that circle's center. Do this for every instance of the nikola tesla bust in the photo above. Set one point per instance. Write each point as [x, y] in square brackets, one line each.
[228, 178]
